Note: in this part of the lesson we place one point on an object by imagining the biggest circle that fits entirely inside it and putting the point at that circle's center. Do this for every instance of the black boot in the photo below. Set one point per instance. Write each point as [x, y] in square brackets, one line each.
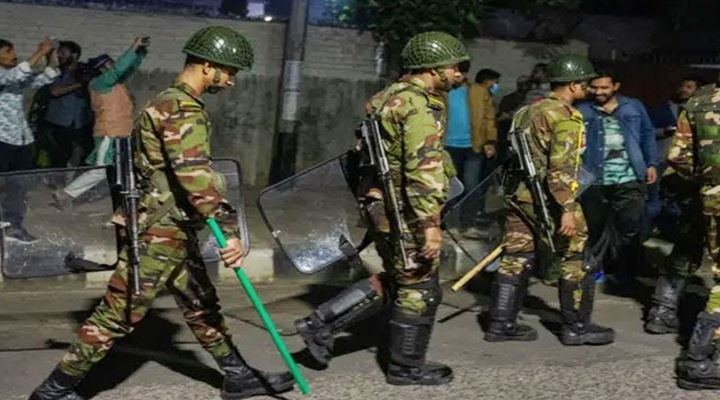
[58, 386]
[241, 381]
[577, 327]
[698, 367]
[662, 317]
[508, 294]
[409, 340]
[353, 304]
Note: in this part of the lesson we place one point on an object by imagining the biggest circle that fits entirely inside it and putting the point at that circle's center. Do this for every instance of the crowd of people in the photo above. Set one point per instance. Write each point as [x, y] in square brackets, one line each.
[599, 154]
[77, 110]
[626, 145]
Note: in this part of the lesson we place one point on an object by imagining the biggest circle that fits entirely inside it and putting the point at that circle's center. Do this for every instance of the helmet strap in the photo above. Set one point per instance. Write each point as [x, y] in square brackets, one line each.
[216, 82]
[443, 79]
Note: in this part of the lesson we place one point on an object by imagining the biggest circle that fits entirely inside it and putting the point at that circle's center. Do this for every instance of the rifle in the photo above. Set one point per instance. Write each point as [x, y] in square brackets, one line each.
[377, 158]
[521, 149]
[125, 176]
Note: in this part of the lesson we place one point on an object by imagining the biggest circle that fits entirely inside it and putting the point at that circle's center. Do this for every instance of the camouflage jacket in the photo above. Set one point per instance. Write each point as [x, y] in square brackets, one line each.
[556, 139]
[414, 118]
[179, 188]
[695, 149]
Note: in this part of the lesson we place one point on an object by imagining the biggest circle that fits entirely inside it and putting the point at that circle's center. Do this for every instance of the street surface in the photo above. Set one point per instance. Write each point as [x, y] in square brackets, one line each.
[35, 328]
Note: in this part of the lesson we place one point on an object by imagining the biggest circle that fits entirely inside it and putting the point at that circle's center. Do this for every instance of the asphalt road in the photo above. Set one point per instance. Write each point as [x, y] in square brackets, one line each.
[161, 361]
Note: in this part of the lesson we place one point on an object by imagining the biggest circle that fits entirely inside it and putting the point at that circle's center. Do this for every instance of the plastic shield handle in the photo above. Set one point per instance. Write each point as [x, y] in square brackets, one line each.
[262, 312]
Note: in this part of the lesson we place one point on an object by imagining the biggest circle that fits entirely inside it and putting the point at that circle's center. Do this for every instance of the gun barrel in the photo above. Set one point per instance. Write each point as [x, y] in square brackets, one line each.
[130, 197]
[392, 206]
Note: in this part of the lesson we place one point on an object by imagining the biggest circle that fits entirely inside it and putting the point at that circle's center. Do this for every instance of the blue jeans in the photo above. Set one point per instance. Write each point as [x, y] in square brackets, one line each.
[470, 166]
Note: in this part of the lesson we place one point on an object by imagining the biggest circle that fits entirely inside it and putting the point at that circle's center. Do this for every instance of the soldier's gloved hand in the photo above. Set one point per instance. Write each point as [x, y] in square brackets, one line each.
[567, 224]
[232, 253]
[433, 243]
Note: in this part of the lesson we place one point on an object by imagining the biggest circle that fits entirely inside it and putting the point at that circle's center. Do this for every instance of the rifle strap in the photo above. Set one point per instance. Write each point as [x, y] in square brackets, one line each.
[167, 199]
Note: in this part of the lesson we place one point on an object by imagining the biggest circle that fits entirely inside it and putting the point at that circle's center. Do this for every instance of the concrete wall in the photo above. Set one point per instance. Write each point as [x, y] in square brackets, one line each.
[339, 73]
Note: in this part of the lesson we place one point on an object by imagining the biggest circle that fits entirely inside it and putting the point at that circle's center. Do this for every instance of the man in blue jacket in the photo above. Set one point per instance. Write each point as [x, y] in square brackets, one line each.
[621, 153]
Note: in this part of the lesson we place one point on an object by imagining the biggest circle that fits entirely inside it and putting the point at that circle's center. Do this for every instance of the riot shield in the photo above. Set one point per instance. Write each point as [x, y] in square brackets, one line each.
[67, 237]
[313, 215]
[79, 236]
[475, 221]
[232, 173]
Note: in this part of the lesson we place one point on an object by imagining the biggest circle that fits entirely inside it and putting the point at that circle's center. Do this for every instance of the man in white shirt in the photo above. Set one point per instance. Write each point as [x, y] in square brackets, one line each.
[16, 138]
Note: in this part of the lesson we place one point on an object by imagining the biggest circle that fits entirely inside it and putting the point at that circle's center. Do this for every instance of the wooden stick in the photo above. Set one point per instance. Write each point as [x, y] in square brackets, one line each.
[477, 268]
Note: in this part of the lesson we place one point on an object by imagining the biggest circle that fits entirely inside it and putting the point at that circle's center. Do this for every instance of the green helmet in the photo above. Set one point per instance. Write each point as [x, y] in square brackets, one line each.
[221, 45]
[569, 68]
[433, 49]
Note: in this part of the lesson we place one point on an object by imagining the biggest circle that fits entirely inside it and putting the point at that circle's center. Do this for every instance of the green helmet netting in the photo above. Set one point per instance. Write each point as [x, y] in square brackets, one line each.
[221, 45]
[433, 49]
[569, 68]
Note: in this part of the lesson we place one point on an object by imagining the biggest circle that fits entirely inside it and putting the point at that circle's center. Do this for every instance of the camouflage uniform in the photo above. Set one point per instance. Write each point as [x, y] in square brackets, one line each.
[555, 136]
[694, 154]
[556, 141]
[413, 120]
[179, 191]
[172, 157]
[686, 232]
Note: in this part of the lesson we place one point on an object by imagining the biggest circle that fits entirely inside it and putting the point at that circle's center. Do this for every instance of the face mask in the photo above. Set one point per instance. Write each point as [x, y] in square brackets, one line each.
[494, 89]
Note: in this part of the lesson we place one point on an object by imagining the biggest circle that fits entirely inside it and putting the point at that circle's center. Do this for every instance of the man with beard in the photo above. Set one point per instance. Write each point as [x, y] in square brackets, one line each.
[68, 116]
[622, 155]
[172, 163]
[412, 115]
[554, 131]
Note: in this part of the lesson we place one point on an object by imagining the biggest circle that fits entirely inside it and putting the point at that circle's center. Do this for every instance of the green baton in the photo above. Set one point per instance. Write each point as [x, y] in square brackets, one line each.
[260, 308]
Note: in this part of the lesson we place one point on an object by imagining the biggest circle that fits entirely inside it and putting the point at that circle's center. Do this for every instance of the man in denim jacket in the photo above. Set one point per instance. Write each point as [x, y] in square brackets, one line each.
[622, 155]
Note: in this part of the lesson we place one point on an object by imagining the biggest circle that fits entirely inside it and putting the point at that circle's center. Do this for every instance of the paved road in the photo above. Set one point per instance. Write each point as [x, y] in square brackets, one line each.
[151, 367]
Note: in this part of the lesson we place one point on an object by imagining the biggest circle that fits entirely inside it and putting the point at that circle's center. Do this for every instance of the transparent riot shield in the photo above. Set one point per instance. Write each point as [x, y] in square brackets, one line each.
[77, 236]
[44, 237]
[313, 215]
[475, 220]
[232, 172]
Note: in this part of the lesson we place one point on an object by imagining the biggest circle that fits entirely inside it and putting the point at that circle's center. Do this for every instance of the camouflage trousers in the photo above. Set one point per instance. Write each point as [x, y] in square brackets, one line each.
[711, 211]
[413, 283]
[519, 243]
[165, 264]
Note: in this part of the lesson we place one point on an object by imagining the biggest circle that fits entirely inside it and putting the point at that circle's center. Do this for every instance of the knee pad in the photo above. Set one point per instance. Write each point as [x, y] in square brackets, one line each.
[353, 296]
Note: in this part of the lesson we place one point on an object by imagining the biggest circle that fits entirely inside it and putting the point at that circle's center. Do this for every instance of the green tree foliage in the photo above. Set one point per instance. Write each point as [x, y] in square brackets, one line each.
[393, 22]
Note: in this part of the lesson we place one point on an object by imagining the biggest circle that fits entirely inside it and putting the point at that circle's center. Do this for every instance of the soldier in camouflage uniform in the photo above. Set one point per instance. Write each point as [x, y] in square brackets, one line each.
[179, 190]
[694, 154]
[412, 116]
[556, 138]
